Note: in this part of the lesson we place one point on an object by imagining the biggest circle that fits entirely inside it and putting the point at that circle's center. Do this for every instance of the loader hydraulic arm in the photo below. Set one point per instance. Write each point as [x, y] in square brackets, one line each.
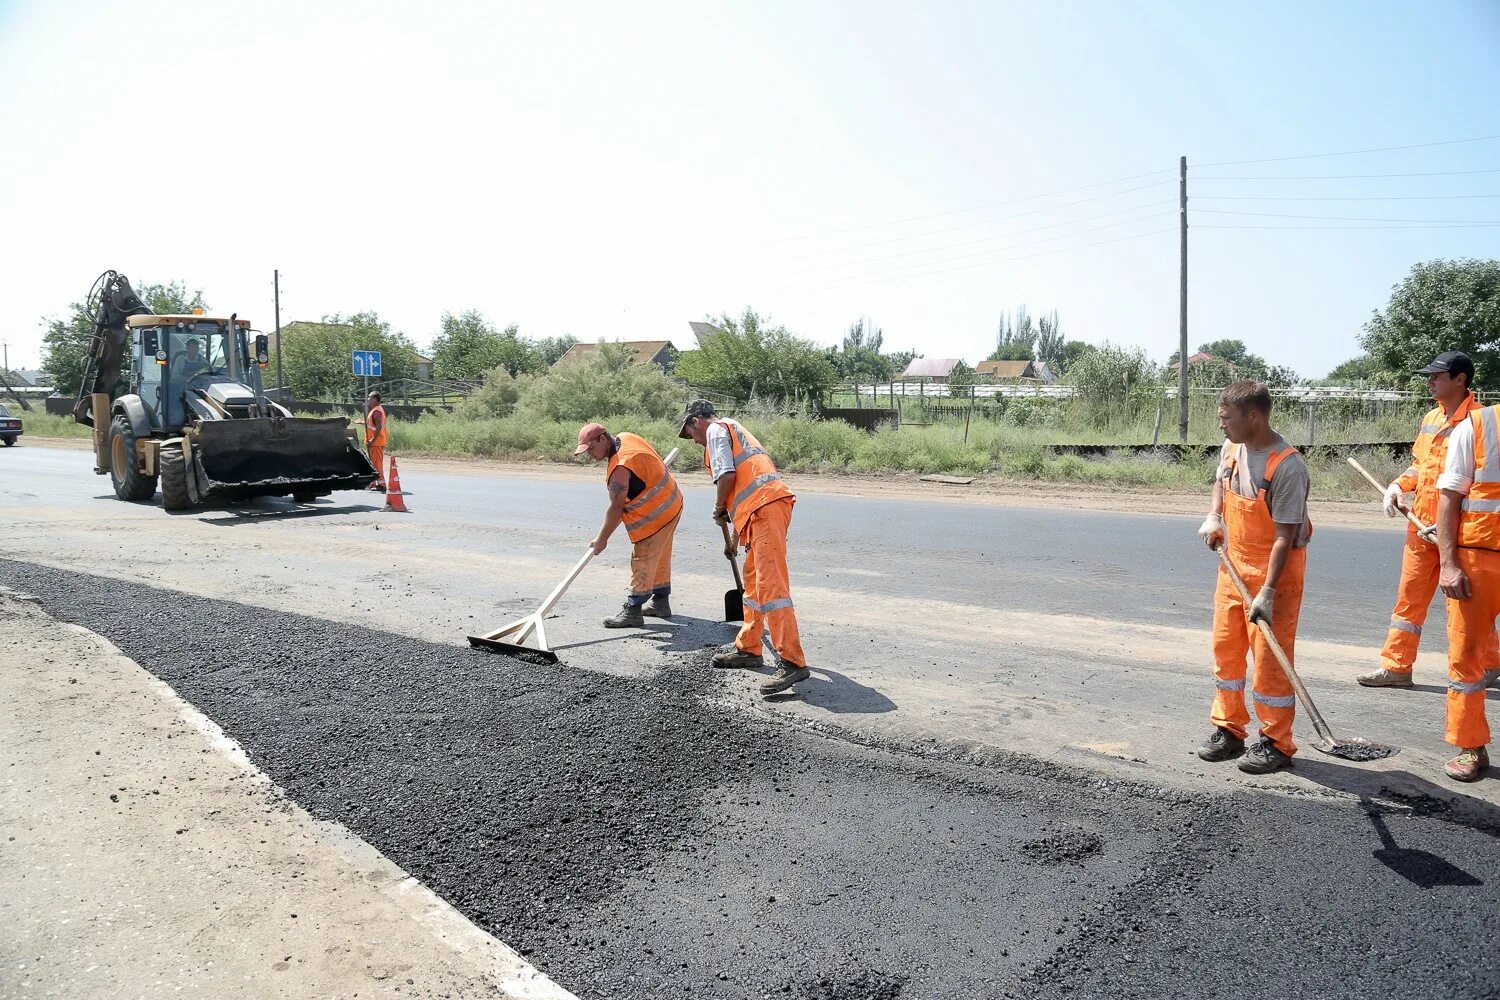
[110, 302]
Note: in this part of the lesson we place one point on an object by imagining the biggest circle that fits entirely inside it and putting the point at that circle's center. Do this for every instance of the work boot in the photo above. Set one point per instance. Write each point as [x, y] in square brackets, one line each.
[1383, 678]
[629, 617]
[783, 678]
[658, 607]
[1263, 758]
[731, 657]
[1468, 765]
[1222, 745]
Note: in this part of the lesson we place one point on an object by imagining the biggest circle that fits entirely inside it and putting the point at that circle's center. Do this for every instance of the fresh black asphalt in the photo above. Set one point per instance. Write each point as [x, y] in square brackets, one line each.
[641, 839]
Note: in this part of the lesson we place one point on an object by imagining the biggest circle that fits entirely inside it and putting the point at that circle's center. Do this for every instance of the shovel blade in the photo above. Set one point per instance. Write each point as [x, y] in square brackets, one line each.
[1355, 748]
[734, 605]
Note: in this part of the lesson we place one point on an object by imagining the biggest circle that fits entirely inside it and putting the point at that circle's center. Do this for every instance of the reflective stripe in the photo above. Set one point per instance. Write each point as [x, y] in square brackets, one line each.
[1431, 428]
[749, 602]
[645, 497]
[1490, 506]
[1468, 687]
[1275, 700]
[776, 605]
[748, 453]
[1397, 623]
[1238, 685]
[1490, 472]
[744, 494]
[656, 515]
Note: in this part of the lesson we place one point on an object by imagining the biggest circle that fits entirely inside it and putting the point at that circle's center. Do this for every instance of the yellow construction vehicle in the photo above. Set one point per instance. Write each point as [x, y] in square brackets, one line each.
[180, 399]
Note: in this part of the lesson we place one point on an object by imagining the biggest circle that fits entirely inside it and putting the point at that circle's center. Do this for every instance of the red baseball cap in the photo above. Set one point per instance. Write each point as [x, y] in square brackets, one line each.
[586, 435]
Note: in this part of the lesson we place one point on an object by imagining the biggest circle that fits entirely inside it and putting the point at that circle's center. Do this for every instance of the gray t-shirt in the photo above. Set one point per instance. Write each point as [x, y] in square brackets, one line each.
[1288, 492]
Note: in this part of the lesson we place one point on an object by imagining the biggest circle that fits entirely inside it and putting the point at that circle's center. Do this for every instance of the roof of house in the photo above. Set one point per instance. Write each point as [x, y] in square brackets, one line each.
[1197, 359]
[644, 351]
[1007, 369]
[701, 330]
[930, 367]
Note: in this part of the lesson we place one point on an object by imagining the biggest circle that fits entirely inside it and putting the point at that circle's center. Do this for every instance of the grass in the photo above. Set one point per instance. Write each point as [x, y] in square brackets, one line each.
[39, 424]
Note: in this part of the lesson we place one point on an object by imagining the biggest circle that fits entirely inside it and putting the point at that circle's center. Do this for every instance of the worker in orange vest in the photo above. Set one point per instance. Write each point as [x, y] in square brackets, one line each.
[644, 497]
[375, 438]
[1449, 380]
[1468, 534]
[754, 498]
[1259, 510]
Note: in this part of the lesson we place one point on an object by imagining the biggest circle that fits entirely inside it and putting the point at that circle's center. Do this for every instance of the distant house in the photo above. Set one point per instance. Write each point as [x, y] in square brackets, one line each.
[1008, 371]
[929, 370]
[1194, 359]
[643, 352]
[701, 330]
[32, 377]
[424, 368]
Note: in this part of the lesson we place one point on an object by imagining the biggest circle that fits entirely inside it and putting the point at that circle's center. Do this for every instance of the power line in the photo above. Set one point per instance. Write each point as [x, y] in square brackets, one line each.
[1342, 197]
[1347, 218]
[1346, 177]
[958, 211]
[1464, 225]
[971, 225]
[1349, 152]
[1002, 236]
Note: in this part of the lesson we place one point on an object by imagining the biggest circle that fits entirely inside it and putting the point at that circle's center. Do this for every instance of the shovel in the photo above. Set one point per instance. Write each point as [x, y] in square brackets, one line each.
[1422, 529]
[1355, 748]
[527, 637]
[734, 600]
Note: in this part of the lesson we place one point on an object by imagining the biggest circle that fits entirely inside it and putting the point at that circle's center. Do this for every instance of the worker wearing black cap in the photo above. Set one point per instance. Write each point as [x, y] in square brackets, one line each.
[1449, 380]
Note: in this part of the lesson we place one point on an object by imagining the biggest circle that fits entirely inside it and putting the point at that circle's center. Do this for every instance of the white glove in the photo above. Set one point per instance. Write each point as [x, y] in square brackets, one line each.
[1263, 605]
[1392, 500]
[1212, 531]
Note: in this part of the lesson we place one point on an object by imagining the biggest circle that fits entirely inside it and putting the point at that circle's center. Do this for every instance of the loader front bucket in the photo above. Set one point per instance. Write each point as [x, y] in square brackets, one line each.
[276, 456]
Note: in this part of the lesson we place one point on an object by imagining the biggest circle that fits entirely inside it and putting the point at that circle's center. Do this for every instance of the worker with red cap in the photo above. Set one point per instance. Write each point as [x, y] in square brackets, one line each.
[644, 497]
[753, 496]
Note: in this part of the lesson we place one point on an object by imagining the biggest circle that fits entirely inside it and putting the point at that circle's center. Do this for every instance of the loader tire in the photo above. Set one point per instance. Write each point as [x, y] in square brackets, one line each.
[129, 482]
[174, 487]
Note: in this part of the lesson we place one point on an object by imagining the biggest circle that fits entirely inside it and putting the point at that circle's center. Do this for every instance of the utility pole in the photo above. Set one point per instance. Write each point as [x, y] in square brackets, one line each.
[6, 345]
[280, 385]
[1182, 348]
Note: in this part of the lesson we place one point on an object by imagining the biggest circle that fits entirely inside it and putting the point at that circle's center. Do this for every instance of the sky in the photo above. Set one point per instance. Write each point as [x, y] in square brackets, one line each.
[613, 171]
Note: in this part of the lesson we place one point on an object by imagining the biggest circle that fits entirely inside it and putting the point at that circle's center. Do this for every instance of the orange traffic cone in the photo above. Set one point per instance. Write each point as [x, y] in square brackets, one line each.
[393, 494]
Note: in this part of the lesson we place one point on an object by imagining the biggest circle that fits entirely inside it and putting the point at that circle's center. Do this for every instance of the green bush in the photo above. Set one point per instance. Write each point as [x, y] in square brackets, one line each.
[801, 444]
[607, 383]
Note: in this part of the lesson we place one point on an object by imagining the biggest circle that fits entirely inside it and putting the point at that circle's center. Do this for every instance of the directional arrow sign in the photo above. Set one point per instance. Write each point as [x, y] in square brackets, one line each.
[367, 363]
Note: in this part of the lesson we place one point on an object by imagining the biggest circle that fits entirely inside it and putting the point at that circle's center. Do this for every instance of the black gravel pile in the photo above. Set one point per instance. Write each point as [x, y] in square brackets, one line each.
[636, 840]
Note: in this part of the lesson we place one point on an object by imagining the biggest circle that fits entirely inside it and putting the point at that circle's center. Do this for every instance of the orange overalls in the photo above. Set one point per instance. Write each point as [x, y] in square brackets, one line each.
[761, 509]
[1249, 533]
[1419, 559]
[1471, 622]
[650, 519]
[375, 443]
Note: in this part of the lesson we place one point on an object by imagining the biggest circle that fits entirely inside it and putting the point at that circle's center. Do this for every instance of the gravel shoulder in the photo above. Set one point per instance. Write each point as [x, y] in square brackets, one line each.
[144, 855]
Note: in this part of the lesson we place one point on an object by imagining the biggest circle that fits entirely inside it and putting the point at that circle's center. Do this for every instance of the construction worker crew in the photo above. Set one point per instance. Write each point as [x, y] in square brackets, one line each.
[1450, 381]
[756, 500]
[1468, 539]
[644, 497]
[375, 438]
[1259, 512]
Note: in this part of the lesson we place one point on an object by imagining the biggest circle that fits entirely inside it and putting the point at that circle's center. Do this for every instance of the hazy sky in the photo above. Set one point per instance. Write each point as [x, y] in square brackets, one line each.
[616, 170]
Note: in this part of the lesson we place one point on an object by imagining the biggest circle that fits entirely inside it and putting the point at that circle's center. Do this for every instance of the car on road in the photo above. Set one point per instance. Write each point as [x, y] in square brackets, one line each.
[10, 427]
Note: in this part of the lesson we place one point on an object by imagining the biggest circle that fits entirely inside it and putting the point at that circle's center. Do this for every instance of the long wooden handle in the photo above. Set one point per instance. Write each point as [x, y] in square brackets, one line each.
[562, 588]
[734, 563]
[1376, 483]
[1277, 651]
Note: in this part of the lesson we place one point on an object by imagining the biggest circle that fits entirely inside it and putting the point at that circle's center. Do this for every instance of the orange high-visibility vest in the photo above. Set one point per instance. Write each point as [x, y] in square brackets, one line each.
[1479, 513]
[1427, 454]
[376, 438]
[756, 481]
[660, 501]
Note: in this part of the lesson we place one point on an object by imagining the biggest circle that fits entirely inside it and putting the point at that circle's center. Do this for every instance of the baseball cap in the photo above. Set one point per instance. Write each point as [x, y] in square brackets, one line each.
[586, 435]
[1452, 362]
[697, 408]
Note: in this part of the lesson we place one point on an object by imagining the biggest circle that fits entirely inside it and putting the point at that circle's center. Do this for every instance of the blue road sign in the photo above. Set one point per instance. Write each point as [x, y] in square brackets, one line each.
[367, 363]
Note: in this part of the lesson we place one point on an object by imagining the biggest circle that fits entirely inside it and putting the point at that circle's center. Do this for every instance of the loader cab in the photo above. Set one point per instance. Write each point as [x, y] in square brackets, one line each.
[173, 357]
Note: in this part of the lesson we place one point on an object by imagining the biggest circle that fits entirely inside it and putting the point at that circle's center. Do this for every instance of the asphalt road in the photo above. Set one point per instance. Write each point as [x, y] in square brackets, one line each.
[986, 791]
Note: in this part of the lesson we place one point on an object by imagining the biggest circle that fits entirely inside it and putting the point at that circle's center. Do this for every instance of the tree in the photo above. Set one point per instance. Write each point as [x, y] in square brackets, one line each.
[1049, 340]
[552, 349]
[960, 378]
[1442, 305]
[607, 384]
[65, 344]
[1015, 340]
[747, 358]
[466, 349]
[900, 359]
[517, 355]
[1068, 356]
[318, 355]
[1361, 369]
[858, 358]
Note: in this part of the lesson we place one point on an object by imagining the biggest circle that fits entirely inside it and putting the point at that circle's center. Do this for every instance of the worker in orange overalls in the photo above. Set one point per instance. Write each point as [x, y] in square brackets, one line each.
[754, 498]
[1449, 380]
[644, 497]
[1468, 533]
[375, 438]
[1259, 510]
